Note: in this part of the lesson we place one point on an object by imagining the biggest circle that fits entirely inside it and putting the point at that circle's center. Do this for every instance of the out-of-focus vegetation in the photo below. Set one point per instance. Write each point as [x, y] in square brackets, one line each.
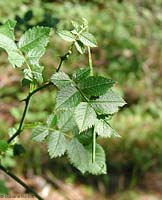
[129, 37]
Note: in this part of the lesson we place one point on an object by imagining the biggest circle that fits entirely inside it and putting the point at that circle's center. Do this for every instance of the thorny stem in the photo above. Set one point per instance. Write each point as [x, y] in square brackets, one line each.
[27, 100]
[65, 57]
[29, 189]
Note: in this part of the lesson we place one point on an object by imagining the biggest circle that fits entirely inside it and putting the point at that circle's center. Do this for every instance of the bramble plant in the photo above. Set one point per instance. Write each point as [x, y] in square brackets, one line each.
[84, 103]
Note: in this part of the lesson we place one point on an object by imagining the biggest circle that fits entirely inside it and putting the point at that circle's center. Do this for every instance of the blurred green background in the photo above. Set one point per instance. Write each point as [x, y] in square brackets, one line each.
[129, 35]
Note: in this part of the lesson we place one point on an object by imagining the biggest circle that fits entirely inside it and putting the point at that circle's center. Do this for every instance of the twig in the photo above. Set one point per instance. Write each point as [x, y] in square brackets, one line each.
[18, 180]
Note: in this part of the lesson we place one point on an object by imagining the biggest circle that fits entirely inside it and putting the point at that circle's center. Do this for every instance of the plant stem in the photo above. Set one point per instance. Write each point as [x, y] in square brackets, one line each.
[65, 57]
[94, 145]
[90, 61]
[29, 189]
[27, 100]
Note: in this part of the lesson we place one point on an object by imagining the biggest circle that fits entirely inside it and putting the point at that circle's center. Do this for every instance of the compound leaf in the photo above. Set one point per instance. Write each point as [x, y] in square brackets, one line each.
[96, 85]
[39, 133]
[56, 144]
[108, 103]
[85, 116]
[67, 97]
[77, 155]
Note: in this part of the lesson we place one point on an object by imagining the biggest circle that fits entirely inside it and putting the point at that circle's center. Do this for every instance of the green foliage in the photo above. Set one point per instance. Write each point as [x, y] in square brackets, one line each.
[96, 85]
[39, 133]
[56, 144]
[85, 116]
[84, 101]
[77, 155]
[108, 103]
[67, 97]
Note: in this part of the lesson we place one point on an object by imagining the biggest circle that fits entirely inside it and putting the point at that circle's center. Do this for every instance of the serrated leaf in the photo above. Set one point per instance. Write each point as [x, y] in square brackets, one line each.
[28, 74]
[66, 120]
[8, 29]
[108, 103]
[61, 80]
[85, 116]
[103, 129]
[99, 166]
[67, 36]
[56, 144]
[37, 37]
[88, 39]
[77, 155]
[37, 73]
[52, 120]
[39, 133]
[96, 85]
[3, 145]
[67, 97]
[33, 56]
[79, 47]
[8, 44]
[81, 74]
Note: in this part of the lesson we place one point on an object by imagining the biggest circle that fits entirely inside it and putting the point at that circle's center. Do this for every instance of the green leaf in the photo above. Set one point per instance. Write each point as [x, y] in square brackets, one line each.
[79, 47]
[85, 116]
[3, 145]
[75, 25]
[28, 74]
[61, 80]
[81, 74]
[77, 155]
[8, 29]
[56, 144]
[67, 36]
[66, 120]
[99, 166]
[88, 39]
[52, 121]
[67, 97]
[18, 149]
[85, 137]
[37, 37]
[8, 44]
[108, 103]
[103, 129]
[37, 73]
[96, 85]
[33, 56]
[39, 133]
